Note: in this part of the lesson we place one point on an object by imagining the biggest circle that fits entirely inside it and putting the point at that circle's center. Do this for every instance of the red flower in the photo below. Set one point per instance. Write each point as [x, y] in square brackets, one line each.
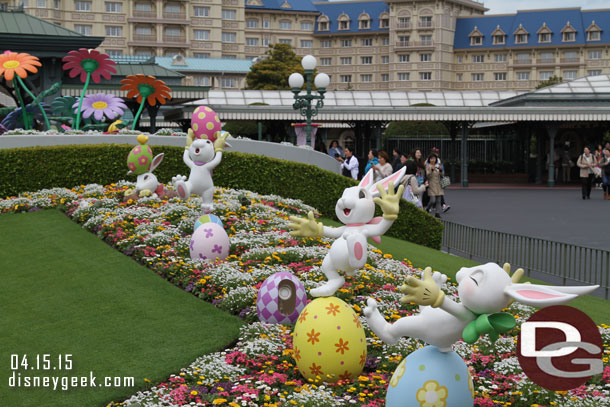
[89, 61]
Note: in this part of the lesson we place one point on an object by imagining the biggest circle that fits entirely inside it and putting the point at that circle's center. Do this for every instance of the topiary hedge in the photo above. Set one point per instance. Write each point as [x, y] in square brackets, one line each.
[31, 169]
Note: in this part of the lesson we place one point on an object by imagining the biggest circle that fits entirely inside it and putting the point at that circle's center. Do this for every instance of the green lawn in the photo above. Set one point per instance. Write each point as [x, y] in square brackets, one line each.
[421, 256]
[64, 291]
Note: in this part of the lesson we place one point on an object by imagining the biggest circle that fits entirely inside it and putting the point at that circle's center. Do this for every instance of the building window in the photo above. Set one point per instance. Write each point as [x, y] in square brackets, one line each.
[306, 43]
[143, 31]
[144, 53]
[323, 25]
[56, 4]
[499, 39]
[172, 32]
[199, 80]
[228, 14]
[201, 55]
[544, 37]
[365, 24]
[285, 41]
[252, 42]
[366, 78]
[143, 7]
[404, 22]
[41, 4]
[425, 22]
[426, 40]
[594, 72]
[478, 59]
[384, 22]
[459, 77]
[346, 43]
[385, 41]
[570, 56]
[500, 76]
[403, 58]
[266, 41]
[227, 82]
[266, 23]
[500, 57]
[306, 26]
[82, 29]
[344, 25]
[425, 57]
[205, 12]
[546, 58]
[346, 60]
[477, 77]
[569, 36]
[545, 75]
[425, 76]
[113, 53]
[82, 5]
[228, 37]
[251, 23]
[476, 40]
[523, 76]
[521, 38]
[403, 40]
[594, 36]
[367, 42]
[112, 7]
[366, 60]
[597, 54]
[326, 61]
[345, 78]
[326, 43]
[114, 31]
[460, 59]
[285, 25]
[569, 75]
[385, 77]
[385, 59]
[403, 76]
[524, 58]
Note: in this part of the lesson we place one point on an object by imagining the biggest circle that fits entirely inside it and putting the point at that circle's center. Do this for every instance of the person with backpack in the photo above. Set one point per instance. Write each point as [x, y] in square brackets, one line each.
[413, 191]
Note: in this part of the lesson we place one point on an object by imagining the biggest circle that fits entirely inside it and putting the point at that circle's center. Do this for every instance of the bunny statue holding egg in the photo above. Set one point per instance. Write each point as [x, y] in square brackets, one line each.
[356, 209]
[436, 373]
[205, 143]
[141, 163]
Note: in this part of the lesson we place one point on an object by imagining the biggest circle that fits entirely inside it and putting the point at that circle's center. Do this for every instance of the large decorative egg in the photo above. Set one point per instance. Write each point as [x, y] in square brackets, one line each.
[207, 218]
[429, 377]
[205, 123]
[329, 341]
[210, 241]
[140, 157]
[281, 298]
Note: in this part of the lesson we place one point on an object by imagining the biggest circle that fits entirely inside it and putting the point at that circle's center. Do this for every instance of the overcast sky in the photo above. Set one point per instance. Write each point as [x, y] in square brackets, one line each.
[511, 6]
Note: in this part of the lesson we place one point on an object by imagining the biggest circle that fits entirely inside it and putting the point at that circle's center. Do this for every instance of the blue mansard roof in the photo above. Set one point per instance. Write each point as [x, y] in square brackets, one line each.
[295, 5]
[532, 21]
[353, 10]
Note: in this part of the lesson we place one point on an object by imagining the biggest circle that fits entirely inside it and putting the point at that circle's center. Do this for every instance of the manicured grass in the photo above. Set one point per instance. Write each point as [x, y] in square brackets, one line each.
[64, 291]
[421, 256]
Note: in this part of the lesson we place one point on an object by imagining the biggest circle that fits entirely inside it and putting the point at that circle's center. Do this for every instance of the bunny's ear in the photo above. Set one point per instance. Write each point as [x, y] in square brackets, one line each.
[394, 178]
[545, 295]
[367, 180]
[156, 161]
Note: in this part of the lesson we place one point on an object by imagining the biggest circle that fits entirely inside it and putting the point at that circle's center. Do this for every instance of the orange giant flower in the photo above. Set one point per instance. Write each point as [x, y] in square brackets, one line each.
[12, 63]
[147, 87]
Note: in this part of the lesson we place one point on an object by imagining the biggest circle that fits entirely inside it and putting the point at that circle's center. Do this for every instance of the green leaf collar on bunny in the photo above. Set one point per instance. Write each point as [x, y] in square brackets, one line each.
[492, 324]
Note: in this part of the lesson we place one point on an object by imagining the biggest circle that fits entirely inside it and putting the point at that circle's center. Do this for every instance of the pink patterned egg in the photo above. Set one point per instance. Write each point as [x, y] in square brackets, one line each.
[210, 241]
[205, 123]
[281, 298]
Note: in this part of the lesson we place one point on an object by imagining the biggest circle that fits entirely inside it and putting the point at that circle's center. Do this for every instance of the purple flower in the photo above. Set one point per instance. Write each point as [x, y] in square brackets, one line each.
[101, 104]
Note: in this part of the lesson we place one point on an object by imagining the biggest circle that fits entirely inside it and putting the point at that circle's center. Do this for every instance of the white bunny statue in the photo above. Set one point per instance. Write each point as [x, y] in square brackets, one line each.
[483, 290]
[356, 209]
[201, 156]
[147, 183]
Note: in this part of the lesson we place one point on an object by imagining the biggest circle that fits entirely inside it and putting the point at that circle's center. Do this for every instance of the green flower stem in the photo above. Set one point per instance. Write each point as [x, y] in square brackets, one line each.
[80, 102]
[44, 114]
[137, 116]
[24, 113]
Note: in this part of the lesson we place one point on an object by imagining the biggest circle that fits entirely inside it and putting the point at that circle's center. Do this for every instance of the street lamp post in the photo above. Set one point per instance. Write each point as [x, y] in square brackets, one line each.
[303, 103]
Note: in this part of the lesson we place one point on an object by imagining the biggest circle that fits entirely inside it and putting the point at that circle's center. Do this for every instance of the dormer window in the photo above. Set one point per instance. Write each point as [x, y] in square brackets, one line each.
[544, 34]
[594, 32]
[498, 36]
[476, 37]
[344, 22]
[384, 20]
[364, 21]
[323, 23]
[568, 33]
[521, 35]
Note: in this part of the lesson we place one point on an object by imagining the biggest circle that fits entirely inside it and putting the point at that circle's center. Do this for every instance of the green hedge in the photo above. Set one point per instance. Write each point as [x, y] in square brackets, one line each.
[31, 169]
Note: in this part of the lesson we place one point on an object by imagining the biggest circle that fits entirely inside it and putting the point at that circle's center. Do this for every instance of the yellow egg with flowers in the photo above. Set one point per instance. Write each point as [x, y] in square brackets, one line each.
[329, 343]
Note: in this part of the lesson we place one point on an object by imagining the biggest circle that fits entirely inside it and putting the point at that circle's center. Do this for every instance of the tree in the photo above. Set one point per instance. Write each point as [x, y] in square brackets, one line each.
[272, 72]
[416, 128]
[553, 80]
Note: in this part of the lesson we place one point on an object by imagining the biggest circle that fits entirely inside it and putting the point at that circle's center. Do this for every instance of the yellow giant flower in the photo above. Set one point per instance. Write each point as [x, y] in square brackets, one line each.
[432, 395]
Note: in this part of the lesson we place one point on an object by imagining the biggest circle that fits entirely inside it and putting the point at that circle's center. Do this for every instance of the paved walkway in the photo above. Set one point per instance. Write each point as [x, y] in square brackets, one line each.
[553, 214]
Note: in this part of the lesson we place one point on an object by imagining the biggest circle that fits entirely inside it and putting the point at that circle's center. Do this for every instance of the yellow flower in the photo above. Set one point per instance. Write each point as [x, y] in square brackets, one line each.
[432, 395]
[219, 401]
[193, 393]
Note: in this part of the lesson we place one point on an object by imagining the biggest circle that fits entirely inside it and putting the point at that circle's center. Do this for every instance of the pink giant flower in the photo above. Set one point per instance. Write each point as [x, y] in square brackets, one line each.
[89, 61]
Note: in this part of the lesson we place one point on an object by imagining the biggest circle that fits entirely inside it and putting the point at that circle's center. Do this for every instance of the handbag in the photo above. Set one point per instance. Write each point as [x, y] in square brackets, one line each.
[409, 196]
[445, 182]
[597, 172]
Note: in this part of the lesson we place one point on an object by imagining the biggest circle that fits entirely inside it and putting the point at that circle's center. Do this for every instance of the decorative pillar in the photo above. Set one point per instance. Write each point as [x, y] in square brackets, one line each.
[539, 152]
[464, 158]
[260, 130]
[377, 130]
[552, 133]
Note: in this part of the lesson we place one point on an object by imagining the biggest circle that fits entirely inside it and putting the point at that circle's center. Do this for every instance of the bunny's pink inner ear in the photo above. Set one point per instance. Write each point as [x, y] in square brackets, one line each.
[395, 178]
[157, 160]
[537, 295]
[367, 180]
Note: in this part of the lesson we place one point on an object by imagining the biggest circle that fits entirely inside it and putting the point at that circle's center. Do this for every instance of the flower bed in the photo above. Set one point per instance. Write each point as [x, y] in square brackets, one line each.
[259, 370]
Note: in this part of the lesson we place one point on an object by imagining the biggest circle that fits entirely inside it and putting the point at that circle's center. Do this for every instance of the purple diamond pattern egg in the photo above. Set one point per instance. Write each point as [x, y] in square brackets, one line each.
[267, 303]
[210, 241]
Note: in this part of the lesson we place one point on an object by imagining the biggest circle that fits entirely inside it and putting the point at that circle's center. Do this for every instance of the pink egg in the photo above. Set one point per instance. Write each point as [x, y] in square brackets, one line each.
[205, 123]
[210, 241]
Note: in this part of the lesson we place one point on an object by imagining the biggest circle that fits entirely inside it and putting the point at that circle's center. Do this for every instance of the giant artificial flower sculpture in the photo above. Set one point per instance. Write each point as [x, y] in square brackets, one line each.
[15, 67]
[100, 105]
[145, 88]
[89, 64]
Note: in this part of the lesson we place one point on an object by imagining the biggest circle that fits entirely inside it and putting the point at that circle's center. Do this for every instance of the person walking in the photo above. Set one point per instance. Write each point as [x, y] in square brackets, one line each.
[586, 162]
[349, 164]
[396, 164]
[435, 192]
[410, 179]
[372, 160]
[384, 168]
[605, 166]
[335, 149]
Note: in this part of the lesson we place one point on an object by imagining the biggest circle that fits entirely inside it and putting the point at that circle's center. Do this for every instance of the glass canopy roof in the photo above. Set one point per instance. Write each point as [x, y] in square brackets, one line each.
[588, 84]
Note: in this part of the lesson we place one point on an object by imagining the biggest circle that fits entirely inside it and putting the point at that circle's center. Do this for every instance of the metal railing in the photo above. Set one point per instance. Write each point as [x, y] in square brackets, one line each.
[564, 261]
